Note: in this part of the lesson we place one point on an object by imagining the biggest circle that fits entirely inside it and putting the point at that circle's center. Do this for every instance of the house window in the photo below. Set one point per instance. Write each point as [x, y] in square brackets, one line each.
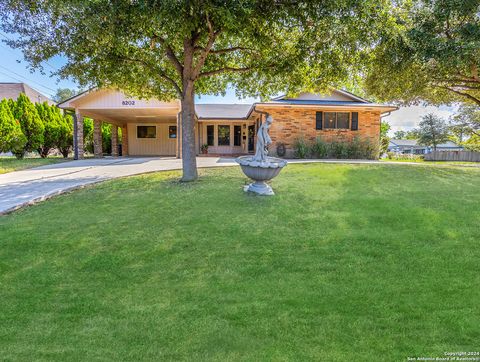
[211, 135]
[172, 131]
[330, 120]
[224, 135]
[343, 120]
[337, 120]
[237, 135]
[146, 132]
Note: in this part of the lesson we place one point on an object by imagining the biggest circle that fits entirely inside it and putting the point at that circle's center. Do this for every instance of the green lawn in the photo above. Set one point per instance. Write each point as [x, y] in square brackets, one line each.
[345, 263]
[9, 164]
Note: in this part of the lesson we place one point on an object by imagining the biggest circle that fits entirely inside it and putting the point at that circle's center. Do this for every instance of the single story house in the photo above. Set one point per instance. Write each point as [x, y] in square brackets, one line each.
[412, 147]
[13, 90]
[152, 127]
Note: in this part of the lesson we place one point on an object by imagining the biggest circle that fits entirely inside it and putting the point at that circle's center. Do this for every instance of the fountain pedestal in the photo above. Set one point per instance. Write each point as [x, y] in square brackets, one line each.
[260, 172]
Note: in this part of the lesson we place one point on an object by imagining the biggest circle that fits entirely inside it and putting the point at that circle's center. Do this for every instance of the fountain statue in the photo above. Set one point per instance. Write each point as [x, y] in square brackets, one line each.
[261, 168]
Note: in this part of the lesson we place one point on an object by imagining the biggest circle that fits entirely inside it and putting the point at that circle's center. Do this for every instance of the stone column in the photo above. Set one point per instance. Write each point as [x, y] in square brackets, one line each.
[114, 140]
[78, 136]
[97, 138]
[124, 140]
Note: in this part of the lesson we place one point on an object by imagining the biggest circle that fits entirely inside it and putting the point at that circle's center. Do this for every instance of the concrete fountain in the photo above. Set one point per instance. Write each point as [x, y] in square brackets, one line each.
[260, 167]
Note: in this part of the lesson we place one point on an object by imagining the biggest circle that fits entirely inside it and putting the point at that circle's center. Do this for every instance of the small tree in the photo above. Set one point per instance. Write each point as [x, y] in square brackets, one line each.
[63, 94]
[384, 139]
[30, 122]
[399, 135]
[50, 116]
[11, 136]
[432, 131]
[65, 135]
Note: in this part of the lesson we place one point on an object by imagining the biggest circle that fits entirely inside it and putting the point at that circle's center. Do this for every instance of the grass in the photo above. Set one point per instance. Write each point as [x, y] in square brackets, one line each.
[9, 164]
[345, 263]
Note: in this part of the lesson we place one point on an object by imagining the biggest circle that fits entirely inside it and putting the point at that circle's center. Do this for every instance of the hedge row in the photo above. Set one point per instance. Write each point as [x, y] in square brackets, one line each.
[355, 149]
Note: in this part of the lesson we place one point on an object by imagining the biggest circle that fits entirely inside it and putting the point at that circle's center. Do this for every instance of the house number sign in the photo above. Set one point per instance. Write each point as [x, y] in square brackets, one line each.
[128, 103]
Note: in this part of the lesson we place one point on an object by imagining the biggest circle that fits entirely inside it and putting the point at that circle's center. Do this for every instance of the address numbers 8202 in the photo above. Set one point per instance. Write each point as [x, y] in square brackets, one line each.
[128, 103]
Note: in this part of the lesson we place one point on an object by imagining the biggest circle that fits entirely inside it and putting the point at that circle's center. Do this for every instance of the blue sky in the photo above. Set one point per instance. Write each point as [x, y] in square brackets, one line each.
[14, 69]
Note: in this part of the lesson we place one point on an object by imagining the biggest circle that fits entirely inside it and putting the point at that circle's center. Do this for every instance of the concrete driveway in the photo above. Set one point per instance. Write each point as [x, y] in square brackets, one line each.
[26, 187]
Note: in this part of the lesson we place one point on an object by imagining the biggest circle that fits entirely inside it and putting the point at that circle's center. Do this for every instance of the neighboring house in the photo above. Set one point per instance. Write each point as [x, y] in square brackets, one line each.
[151, 127]
[13, 90]
[412, 147]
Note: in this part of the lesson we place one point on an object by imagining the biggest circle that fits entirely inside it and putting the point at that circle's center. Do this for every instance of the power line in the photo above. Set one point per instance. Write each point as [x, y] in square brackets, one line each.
[30, 80]
[10, 39]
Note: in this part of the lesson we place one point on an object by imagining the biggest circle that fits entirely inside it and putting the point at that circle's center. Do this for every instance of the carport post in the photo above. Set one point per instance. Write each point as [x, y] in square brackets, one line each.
[77, 135]
[114, 140]
[97, 138]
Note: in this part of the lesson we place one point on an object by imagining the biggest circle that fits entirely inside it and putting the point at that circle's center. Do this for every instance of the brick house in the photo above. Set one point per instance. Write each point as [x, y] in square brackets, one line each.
[150, 127]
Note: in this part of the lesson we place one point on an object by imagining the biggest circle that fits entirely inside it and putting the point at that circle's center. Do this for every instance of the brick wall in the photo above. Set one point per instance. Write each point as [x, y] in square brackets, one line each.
[292, 123]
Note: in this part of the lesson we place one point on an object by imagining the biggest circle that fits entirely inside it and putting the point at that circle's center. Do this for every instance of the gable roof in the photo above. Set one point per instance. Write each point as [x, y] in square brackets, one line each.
[13, 90]
[223, 111]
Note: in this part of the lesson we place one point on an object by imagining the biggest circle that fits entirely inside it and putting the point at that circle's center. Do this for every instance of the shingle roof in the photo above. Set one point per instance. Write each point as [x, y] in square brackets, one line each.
[222, 111]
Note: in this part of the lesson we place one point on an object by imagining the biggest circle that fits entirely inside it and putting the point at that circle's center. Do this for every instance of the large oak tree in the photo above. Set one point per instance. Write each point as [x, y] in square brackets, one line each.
[177, 49]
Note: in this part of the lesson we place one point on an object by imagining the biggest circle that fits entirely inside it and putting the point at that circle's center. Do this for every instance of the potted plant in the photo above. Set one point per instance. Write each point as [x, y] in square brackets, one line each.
[204, 148]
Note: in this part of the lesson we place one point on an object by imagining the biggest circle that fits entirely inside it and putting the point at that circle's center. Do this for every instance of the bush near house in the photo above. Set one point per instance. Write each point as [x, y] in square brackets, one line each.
[11, 136]
[355, 149]
[32, 126]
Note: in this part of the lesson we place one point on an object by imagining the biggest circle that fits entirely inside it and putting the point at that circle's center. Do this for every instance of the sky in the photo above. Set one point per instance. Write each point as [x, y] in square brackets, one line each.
[14, 69]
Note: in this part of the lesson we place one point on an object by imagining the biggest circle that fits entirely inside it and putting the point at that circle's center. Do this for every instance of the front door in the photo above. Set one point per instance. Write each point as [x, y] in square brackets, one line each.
[251, 138]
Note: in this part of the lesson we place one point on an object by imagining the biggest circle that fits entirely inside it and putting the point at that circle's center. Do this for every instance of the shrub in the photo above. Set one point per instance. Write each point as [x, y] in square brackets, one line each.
[65, 139]
[51, 119]
[300, 148]
[11, 136]
[30, 122]
[318, 149]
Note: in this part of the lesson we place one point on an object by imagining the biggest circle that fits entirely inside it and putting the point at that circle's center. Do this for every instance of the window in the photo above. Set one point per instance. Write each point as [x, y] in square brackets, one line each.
[330, 120]
[343, 120]
[224, 135]
[337, 120]
[237, 135]
[210, 135]
[146, 132]
[172, 131]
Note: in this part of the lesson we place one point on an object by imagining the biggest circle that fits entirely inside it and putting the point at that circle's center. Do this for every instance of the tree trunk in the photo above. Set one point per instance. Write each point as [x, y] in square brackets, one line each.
[189, 161]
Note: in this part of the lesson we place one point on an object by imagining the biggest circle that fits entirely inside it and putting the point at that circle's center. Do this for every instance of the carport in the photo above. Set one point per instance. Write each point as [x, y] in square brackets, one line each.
[149, 127]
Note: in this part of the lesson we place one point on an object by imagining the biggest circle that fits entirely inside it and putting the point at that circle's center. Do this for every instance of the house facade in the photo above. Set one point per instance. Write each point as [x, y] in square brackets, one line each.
[412, 147]
[152, 127]
[13, 90]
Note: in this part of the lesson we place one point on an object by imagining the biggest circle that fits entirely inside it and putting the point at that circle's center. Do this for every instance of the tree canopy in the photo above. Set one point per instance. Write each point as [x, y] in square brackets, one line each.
[176, 49]
[432, 55]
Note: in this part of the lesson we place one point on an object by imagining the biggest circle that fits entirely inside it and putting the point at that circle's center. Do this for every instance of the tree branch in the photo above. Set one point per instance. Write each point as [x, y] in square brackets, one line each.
[170, 54]
[224, 70]
[223, 51]
[160, 72]
[212, 36]
[463, 94]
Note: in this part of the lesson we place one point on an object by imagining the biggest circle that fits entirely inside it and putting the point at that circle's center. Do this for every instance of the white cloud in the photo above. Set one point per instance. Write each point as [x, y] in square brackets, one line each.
[407, 118]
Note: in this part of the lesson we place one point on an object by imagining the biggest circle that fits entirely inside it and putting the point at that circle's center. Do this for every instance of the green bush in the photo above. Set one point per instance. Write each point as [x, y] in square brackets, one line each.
[11, 135]
[32, 126]
[318, 149]
[300, 148]
[355, 149]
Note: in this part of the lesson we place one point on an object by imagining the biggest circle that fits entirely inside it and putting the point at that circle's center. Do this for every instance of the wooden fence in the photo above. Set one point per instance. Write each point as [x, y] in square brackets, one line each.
[453, 156]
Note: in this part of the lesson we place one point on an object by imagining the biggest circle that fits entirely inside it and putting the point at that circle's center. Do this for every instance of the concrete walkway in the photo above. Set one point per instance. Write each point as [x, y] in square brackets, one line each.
[26, 187]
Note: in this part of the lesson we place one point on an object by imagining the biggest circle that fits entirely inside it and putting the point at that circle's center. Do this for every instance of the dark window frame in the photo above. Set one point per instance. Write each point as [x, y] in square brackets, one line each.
[211, 138]
[237, 136]
[144, 135]
[326, 124]
[227, 136]
[170, 133]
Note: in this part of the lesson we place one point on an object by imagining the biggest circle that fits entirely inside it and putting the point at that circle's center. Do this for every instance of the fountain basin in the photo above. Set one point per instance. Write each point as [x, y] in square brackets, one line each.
[260, 171]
